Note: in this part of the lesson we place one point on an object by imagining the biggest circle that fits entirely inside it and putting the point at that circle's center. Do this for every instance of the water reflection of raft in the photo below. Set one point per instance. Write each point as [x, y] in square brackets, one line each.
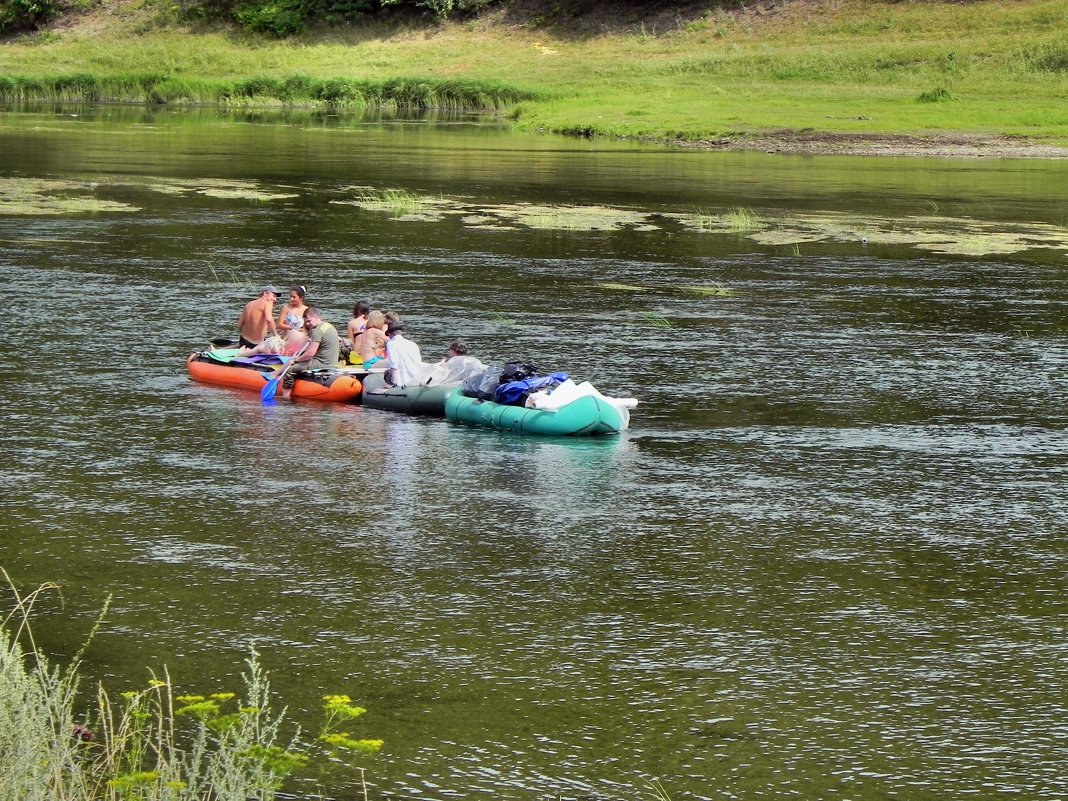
[589, 414]
[428, 400]
[338, 386]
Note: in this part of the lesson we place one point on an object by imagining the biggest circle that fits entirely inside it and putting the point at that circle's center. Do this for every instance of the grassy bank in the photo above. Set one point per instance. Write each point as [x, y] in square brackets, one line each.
[849, 67]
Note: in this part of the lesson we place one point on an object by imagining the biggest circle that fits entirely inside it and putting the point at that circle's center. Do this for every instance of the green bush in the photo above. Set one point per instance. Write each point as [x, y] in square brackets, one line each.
[279, 18]
[23, 15]
[939, 95]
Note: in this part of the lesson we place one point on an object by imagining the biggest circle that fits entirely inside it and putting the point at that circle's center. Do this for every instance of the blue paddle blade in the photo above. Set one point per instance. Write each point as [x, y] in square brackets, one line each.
[269, 389]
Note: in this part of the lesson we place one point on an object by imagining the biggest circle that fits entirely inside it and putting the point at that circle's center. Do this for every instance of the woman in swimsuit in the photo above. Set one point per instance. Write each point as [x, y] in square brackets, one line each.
[358, 321]
[371, 344]
[292, 314]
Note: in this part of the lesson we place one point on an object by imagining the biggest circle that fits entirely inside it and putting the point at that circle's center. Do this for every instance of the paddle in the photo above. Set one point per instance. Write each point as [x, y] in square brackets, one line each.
[271, 387]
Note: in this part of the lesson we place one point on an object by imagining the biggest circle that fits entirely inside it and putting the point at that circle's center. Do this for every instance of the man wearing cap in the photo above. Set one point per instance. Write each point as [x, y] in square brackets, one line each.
[257, 317]
[402, 356]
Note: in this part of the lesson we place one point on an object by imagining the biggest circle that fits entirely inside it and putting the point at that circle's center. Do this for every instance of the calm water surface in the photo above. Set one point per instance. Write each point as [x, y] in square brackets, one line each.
[828, 561]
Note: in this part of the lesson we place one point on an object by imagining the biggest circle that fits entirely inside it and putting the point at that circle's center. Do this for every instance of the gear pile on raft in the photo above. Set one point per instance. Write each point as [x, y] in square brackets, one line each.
[301, 356]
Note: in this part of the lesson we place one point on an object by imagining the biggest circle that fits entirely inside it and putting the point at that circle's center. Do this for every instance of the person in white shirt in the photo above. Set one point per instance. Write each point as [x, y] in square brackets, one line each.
[402, 357]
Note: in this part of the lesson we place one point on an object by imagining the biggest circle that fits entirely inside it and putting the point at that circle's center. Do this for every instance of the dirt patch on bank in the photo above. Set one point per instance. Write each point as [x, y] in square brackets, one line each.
[833, 144]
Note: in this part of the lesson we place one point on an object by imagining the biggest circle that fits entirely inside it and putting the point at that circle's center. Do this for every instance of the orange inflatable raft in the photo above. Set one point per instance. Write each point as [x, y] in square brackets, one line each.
[337, 386]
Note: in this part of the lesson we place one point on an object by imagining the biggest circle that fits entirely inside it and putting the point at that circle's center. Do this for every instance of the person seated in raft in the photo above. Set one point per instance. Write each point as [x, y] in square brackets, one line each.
[457, 348]
[286, 344]
[324, 345]
[292, 314]
[457, 365]
[403, 358]
[359, 320]
[256, 318]
[370, 345]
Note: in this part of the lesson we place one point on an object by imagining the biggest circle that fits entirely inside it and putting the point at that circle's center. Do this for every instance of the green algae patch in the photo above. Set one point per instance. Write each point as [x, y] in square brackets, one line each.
[568, 218]
[35, 197]
[710, 291]
[947, 235]
[220, 188]
[411, 207]
[246, 194]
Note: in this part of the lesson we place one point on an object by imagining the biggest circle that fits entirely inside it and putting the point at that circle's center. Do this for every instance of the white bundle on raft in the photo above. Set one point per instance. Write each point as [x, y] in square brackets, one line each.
[556, 398]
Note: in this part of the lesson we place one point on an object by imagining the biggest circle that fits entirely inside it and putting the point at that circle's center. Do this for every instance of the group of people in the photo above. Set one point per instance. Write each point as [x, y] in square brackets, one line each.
[374, 338]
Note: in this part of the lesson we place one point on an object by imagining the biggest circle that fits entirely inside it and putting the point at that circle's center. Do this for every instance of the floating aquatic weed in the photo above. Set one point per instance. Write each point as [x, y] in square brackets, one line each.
[228, 275]
[479, 220]
[786, 236]
[657, 321]
[245, 194]
[568, 218]
[950, 235]
[36, 197]
[622, 287]
[421, 216]
[222, 188]
[501, 319]
[978, 246]
[711, 291]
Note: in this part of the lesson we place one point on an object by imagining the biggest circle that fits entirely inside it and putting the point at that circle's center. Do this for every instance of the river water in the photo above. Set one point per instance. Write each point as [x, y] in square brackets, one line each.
[827, 561]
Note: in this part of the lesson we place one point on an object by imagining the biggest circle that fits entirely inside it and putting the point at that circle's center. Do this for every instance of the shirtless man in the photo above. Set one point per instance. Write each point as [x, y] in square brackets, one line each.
[257, 317]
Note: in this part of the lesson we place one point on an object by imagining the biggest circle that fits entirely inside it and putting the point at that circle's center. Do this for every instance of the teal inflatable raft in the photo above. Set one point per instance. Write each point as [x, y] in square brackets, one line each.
[590, 414]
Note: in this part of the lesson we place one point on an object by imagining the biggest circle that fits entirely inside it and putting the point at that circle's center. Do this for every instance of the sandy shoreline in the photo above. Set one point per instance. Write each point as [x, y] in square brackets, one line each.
[832, 144]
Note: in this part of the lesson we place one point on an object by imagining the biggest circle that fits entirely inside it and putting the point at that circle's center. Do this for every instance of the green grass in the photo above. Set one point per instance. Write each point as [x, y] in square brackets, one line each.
[848, 67]
[741, 220]
[396, 201]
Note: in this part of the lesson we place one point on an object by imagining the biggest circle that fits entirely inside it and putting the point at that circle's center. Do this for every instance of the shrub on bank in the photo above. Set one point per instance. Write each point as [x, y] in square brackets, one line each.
[26, 15]
[282, 18]
[146, 744]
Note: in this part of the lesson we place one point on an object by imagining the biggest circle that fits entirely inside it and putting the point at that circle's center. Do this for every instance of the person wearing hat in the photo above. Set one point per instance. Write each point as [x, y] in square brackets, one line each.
[257, 317]
[402, 357]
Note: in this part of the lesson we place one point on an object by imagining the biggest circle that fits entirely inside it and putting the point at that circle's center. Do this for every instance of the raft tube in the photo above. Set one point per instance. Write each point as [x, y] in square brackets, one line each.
[587, 415]
[332, 385]
[428, 400]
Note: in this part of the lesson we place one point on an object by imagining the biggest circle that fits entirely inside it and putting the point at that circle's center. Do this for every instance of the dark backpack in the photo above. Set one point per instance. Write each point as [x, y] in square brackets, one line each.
[482, 385]
[518, 371]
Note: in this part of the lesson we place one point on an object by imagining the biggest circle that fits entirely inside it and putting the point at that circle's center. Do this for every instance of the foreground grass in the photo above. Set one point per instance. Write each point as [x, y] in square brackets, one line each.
[846, 67]
[146, 744]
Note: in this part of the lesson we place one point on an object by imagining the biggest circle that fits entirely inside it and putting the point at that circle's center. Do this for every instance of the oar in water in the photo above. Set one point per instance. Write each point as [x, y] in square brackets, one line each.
[271, 387]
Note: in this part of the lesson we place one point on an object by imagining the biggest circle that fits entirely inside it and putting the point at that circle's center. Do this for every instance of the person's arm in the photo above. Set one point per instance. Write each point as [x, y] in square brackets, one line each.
[310, 351]
[282, 324]
[268, 315]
